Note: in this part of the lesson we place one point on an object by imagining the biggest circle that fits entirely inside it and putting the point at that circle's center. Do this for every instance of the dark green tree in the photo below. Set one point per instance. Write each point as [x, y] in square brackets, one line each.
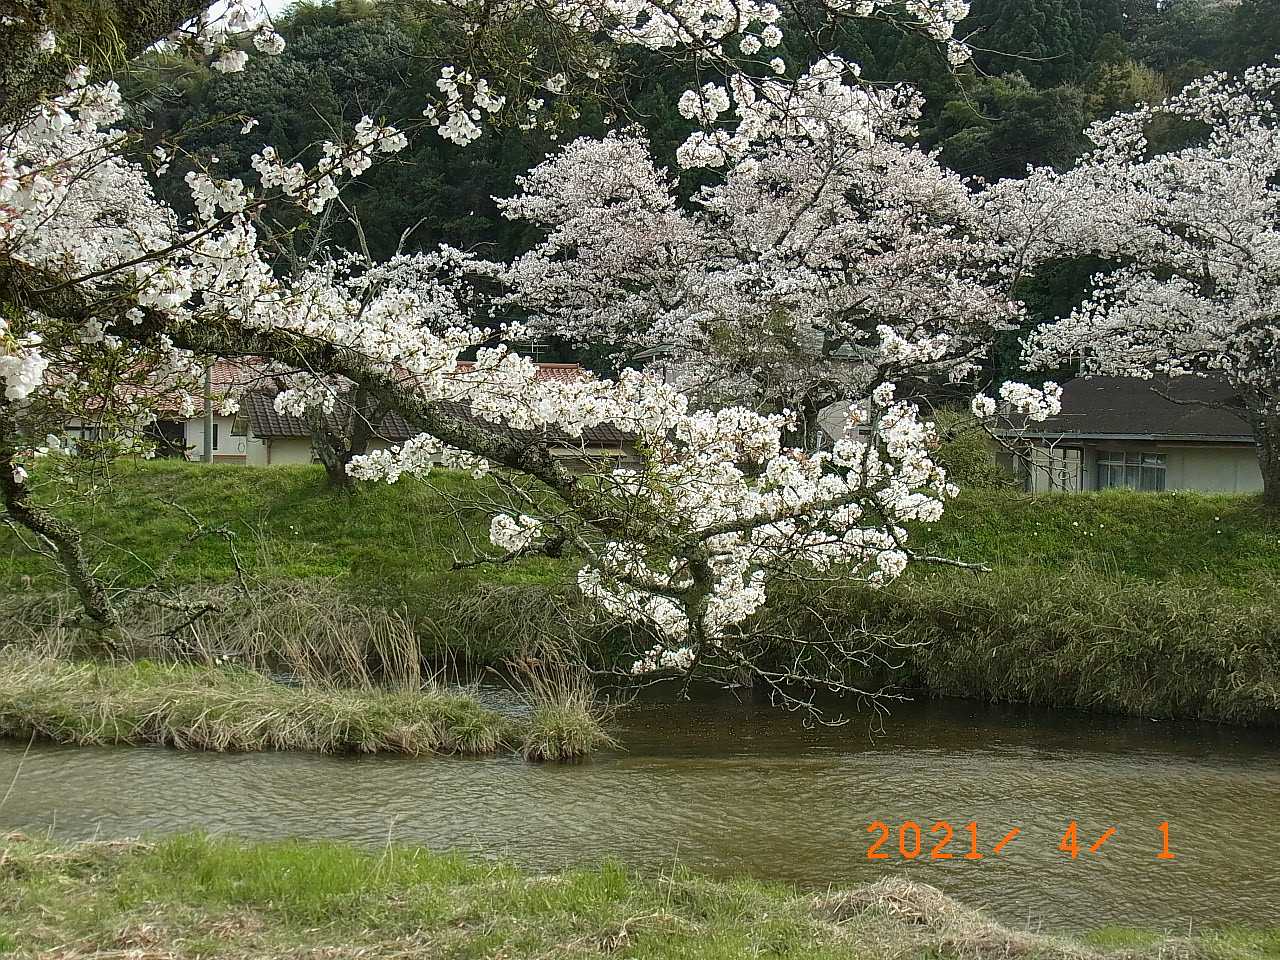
[1005, 125]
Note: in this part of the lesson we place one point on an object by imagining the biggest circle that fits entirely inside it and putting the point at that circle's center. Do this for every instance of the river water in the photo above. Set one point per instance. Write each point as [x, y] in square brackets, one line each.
[724, 788]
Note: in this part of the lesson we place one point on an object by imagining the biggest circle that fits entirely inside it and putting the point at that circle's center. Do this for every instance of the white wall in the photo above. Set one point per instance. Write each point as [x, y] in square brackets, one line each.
[279, 450]
[227, 446]
[833, 418]
[1208, 468]
[1223, 469]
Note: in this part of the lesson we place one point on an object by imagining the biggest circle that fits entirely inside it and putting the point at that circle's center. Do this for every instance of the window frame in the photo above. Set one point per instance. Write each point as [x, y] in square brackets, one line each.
[1143, 471]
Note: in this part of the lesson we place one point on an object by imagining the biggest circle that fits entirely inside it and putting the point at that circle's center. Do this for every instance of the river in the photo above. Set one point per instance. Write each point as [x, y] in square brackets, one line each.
[727, 788]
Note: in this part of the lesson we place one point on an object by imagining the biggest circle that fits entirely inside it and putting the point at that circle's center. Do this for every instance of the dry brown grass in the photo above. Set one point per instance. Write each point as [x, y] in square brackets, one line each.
[195, 707]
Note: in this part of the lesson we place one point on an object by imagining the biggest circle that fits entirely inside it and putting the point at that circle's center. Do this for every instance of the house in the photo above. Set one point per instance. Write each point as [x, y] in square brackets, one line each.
[275, 438]
[257, 435]
[1181, 433]
[228, 380]
[178, 429]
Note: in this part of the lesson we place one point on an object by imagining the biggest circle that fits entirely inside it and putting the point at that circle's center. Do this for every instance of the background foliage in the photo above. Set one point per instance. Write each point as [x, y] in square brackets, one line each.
[1044, 69]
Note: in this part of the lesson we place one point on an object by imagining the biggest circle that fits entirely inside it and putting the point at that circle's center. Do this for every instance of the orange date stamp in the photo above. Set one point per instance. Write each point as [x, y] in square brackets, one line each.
[942, 841]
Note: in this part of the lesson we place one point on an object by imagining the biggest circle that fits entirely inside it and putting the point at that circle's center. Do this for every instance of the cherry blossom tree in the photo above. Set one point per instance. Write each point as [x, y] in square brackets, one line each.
[97, 274]
[828, 252]
[1192, 233]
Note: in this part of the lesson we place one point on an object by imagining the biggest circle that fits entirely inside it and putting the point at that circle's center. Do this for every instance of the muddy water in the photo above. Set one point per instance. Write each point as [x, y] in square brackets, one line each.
[727, 788]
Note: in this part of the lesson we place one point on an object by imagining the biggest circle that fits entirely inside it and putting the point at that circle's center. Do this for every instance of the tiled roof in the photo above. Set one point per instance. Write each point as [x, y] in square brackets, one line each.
[239, 374]
[546, 371]
[266, 422]
[1129, 407]
[246, 375]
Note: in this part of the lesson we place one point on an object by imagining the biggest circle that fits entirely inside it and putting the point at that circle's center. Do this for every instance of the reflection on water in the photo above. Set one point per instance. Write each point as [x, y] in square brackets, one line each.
[726, 788]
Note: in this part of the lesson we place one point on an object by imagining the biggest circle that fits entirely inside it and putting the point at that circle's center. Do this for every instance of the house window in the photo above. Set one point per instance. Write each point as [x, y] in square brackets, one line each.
[239, 427]
[1134, 471]
[83, 431]
[1056, 468]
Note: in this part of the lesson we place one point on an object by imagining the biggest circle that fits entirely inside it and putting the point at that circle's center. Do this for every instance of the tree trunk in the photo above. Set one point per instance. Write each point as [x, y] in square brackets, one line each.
[105, 35]
[337, 449]
[807, 434]
[1266, 430]
[62, 538]
[334, 457]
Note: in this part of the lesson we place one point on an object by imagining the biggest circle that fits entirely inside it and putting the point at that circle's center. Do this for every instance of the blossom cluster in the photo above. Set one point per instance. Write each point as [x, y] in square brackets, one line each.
[314, 189]
[746, 506]
[22, 365]
[816, 263]
[513, 533]
[826, 101]
[658, 658]
[221, 32]
[701, 29]
[1191, 233]
[1036, 404]
[461, 123]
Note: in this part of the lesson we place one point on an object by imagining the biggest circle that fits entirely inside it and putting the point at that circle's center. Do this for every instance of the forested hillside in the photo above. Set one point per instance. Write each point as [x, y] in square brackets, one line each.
[1043, 70]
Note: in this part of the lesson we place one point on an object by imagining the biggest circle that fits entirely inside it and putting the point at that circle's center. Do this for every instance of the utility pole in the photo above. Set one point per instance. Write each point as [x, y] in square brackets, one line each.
[208, 413]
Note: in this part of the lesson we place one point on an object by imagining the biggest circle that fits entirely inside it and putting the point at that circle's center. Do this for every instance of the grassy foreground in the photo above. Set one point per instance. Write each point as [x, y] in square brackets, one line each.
[195, 707]
[1162, 605]
[195, 896]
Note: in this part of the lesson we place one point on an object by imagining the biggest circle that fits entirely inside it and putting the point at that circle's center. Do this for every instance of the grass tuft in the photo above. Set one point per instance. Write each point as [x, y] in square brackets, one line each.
[231, 709]
[566, 718]
[568, 728]
[956, 930]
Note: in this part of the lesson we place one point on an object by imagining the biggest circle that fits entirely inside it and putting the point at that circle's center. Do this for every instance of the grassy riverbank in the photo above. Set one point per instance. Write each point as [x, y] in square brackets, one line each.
[194, 707]
[195, 896]
[1161, 605]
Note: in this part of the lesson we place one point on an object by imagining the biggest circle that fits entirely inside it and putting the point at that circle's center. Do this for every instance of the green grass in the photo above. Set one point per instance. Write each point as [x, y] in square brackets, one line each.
[287, 524]
[396, 541]
[1222, 539]
[1156, 604]
[390, 545]
[197, 896]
